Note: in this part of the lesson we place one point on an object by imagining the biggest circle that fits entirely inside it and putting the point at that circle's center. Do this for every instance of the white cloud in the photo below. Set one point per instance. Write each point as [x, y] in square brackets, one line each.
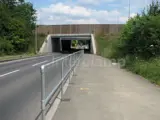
[61, 13]
[133, 14]
[123, 19]
[88, 2]
[61, 8]
[92, 2]
[83, 21]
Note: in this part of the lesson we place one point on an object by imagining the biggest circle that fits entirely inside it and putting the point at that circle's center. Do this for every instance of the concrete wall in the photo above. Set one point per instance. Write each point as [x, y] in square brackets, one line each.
[79, 28]
[92, 29]
[93, 44]
[47, 46]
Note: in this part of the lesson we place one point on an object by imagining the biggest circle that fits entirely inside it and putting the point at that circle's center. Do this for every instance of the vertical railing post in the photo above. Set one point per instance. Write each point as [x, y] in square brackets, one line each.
[62, 69]
[43, 92]
[70, 60]
[74, 59]
[73, 63]
[70, 67]
[62, 77]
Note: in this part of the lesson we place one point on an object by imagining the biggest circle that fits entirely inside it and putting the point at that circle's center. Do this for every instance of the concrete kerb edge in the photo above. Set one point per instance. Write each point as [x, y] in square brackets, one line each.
[22, 59]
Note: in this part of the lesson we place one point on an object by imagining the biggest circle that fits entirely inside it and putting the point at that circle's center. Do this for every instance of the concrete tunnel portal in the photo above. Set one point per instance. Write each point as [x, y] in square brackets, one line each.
[64, 43]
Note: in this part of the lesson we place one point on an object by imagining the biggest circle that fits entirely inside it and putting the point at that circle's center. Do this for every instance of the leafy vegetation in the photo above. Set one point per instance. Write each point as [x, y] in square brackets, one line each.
[17, 22]
[106, 44]
[138, 43]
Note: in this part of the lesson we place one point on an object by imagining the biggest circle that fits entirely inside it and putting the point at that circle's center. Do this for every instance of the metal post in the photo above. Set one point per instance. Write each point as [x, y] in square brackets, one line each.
[70, 68]
[62, 77]
[74, 59]
[36, 39]
[60, 44]
[73, 63]
[43, 93]
[70, 29]
[129, 2]
[60, 29]
[62, 69]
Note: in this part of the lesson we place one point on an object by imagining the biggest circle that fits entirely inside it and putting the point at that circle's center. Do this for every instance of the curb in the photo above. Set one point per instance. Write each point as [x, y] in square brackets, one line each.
[2, 61]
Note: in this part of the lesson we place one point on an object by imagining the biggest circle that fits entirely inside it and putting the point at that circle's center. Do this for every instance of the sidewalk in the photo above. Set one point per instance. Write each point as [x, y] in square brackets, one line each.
[99, 92]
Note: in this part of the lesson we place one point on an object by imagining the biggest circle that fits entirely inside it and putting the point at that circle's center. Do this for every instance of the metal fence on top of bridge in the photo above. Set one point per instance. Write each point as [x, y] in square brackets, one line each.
[79, 29]
[53, 77]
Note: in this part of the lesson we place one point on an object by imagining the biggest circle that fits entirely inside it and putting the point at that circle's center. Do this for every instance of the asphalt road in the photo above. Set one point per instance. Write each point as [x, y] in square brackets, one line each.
[20, 86]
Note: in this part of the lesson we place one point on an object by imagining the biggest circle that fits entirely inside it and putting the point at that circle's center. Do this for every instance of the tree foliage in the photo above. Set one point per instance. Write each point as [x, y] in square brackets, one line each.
[141, 35]
[17, 21]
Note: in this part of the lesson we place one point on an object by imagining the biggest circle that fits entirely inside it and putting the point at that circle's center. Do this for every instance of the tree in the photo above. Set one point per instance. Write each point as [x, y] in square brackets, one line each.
[141, 34]
[17, 21]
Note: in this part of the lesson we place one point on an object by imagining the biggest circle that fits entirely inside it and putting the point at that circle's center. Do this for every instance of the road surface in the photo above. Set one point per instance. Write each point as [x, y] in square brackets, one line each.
[20, 84]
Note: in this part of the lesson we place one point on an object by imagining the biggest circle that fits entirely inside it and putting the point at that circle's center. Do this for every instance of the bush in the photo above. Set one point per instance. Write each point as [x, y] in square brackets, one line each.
[143, 39]
[107, 45]
[6, 47]
[138, 44]
[141, 35]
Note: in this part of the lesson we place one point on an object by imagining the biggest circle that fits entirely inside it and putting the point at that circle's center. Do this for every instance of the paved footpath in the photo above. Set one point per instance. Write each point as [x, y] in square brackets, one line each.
[105, 92]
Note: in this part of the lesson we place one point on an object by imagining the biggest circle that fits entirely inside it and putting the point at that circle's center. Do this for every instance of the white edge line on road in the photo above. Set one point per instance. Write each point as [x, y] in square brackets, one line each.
[40, 63]
[45, 61]
[9, 73]
[24, 59]
[55, 58]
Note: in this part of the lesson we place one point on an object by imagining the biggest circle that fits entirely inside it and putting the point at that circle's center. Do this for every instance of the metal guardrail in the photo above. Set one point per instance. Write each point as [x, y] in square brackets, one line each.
[53, 76]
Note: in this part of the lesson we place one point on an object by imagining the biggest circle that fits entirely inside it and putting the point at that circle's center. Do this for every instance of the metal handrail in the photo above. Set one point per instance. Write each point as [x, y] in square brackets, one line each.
[58, 59]
[44, 99]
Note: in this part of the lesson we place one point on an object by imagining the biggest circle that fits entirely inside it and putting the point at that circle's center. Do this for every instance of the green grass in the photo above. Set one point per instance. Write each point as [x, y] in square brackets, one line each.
[40, 39]
[11, 57]
[31, 50]
[106, 45]
[149, 69]
[20, 56]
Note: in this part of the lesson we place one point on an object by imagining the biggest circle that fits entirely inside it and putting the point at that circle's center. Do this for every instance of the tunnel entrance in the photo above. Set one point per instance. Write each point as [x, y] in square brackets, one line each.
[66, 46]
[81, 45]
[70, 45]
[55, 44]
[63, 43]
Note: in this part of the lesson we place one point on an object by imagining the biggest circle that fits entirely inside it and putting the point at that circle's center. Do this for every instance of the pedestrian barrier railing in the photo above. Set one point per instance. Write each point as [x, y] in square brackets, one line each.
[54, 76]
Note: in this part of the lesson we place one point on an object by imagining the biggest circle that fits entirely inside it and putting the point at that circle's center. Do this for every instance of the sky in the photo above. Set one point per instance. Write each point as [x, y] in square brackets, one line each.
[51, 12]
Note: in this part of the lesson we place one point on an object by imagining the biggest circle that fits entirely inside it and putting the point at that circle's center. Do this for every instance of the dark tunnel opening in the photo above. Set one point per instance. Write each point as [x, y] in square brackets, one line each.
[55, 44]
[66, 46]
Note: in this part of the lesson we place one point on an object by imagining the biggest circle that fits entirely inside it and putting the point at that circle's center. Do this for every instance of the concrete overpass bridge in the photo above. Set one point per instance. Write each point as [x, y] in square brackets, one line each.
[59, 37]
[62, 42]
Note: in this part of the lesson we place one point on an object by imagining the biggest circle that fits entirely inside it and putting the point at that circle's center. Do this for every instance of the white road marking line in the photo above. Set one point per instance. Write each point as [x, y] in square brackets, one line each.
[24, 59]
[55, 58]
[40, 63]
[9, 73]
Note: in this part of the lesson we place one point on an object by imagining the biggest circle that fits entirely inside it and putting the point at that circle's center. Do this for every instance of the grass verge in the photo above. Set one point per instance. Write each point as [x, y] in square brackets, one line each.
[107, 45]
[16, 57]
[149, 69]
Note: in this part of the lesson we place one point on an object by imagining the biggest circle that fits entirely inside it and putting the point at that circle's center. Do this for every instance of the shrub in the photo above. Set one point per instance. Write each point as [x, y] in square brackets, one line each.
[138, 43]
[6, 47]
